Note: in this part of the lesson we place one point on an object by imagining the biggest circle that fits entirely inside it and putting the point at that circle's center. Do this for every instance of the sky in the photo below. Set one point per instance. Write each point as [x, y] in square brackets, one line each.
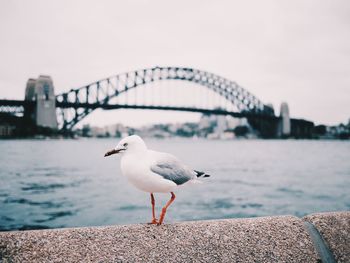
[294, 51]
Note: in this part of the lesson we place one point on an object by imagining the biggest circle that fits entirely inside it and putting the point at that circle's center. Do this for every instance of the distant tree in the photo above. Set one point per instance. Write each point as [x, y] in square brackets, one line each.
[86, 131]
[320, 130]
[241, 131]
[161, 127]
[184, 132]
[118, 134]
[205, 131]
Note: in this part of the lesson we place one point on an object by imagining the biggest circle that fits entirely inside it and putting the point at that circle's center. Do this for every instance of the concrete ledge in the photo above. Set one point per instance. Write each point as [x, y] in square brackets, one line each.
[265, 239]
[335, 230]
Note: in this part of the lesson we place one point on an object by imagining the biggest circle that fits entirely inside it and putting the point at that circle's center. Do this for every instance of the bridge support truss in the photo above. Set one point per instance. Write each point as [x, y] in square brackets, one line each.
[102, 91]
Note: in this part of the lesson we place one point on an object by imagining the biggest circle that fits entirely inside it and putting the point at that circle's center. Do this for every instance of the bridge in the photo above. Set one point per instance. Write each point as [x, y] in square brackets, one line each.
[65, 110]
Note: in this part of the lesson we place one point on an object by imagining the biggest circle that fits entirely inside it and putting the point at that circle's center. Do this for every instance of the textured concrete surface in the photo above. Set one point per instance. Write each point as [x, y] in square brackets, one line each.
[335, 230]
[266, 239]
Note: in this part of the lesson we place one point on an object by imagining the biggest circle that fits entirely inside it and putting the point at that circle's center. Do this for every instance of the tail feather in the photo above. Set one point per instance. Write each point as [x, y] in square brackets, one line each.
[201, 174]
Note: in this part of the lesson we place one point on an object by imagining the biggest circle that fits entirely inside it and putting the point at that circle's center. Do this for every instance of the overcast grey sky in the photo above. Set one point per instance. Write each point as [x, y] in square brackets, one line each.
[294, 51]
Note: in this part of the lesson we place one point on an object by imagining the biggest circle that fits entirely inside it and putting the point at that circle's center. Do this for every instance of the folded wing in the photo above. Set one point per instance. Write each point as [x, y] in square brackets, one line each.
[170, 168]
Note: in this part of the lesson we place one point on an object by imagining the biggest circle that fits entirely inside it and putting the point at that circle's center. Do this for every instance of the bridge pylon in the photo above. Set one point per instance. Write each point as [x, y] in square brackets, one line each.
[41, 90]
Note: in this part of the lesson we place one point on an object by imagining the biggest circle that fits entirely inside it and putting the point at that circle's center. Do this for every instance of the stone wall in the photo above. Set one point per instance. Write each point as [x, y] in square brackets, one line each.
[315, 238]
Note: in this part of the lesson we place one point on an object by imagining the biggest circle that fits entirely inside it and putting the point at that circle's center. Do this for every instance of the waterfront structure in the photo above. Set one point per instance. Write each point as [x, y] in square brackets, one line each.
[6, 130]
[41, 90]
[321, 237]
[285, 124]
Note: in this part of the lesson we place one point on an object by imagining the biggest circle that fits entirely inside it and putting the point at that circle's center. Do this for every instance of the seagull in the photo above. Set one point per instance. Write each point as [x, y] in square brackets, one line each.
[152, 171]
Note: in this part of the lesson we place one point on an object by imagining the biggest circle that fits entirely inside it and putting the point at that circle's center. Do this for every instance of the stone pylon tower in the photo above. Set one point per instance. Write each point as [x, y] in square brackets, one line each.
[41, 90]
[285, 126]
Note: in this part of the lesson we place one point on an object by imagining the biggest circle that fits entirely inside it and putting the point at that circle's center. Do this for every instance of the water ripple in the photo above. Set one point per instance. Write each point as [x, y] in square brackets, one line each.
[224, 203]
[248, 183]
[131, 207]
[42, 187]
[46, 188]
[290, 191]
[43, 204]
[55, 215]
[6, 218]
[252, 205]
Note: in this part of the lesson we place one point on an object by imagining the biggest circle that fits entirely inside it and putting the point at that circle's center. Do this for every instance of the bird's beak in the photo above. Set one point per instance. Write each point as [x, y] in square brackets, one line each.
[114, 151]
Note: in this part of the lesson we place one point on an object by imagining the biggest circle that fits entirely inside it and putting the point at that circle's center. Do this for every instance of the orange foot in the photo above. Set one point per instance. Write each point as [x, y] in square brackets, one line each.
[154, 222]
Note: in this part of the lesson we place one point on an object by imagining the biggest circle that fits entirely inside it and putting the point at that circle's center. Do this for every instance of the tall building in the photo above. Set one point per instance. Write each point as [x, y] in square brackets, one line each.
[221, 124]
[41, 90]
[232, 122]
[285, 122]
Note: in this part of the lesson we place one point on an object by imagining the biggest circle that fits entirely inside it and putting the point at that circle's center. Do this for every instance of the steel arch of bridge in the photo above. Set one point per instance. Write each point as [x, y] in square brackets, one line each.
[73, 105]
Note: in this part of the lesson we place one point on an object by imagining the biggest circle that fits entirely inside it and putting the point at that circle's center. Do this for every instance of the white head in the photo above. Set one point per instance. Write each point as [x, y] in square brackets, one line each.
[128, 144]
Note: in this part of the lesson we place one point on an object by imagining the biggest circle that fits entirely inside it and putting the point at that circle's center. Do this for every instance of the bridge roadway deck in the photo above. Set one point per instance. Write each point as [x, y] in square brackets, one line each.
[106, 106]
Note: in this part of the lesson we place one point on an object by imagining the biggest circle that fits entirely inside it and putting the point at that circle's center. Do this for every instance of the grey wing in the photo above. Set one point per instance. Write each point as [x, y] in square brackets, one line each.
[170, 168]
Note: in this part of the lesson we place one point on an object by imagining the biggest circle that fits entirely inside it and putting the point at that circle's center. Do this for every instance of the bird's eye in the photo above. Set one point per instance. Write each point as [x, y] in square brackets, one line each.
[125, 144]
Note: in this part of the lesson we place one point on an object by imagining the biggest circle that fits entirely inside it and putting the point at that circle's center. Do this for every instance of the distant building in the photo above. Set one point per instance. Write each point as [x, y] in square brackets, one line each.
[221, 124]
[285, 127]
[272, 109]
[204, 122]
[10, 125]
[41, 90]
[98, 131]
[7, 130]
[232, 122]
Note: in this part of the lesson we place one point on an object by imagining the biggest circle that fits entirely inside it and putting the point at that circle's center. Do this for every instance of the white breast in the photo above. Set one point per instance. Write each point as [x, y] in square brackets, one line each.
[137, 170]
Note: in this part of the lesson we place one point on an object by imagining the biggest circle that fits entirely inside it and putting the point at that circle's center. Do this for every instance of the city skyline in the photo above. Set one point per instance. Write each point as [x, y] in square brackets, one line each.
[281, 51]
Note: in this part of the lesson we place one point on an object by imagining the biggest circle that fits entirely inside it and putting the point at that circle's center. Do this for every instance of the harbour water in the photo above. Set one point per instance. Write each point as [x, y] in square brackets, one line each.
[68, 183]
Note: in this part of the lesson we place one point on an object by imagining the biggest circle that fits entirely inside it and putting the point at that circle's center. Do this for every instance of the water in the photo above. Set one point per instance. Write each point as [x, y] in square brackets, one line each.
[68, 183]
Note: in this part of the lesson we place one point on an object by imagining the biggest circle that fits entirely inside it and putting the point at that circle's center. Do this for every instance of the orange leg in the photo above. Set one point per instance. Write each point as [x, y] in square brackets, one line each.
[162, 215]
[154, 219]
